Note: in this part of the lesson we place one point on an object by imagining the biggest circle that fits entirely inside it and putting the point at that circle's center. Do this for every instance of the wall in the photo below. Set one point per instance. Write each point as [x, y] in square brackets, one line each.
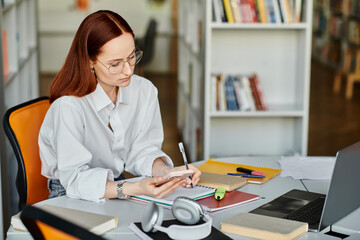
[59, 20]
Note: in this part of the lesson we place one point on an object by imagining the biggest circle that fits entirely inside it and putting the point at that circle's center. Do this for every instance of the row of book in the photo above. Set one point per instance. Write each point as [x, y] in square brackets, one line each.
[237, 93]
[253, 11]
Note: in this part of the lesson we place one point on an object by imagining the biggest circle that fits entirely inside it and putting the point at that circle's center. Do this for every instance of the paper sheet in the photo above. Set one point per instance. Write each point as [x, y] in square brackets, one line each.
[313, 168]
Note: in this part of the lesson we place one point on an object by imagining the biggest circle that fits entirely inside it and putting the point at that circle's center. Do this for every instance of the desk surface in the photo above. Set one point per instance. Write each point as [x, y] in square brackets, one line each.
[129, 211]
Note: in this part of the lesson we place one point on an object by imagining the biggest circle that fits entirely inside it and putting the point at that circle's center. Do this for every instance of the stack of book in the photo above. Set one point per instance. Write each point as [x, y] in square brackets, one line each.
[262, 11]
[237, 93]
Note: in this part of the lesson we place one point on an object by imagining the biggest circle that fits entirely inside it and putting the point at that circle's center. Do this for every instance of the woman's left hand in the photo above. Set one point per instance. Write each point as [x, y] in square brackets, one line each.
[195, 177]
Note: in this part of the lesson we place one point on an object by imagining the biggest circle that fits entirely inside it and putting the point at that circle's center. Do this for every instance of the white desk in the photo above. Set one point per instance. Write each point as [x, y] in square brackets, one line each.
[128, 211]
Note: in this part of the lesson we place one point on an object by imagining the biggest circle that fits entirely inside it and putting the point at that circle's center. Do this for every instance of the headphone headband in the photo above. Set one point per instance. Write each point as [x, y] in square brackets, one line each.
[153, 215]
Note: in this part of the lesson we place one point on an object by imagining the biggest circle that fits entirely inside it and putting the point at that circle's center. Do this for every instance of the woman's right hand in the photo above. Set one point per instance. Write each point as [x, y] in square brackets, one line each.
[148, 186]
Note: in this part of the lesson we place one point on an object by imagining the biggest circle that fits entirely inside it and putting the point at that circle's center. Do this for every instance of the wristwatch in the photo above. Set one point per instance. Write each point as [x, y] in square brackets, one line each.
[119, 188]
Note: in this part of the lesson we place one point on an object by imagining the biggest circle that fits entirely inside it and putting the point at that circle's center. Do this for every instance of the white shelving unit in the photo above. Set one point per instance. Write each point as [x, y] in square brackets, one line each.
[280, 55]
[19, 20]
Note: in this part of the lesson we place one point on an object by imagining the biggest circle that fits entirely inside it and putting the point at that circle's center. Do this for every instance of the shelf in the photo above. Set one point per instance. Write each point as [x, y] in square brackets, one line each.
[278, 53]
[262, 26]
[22, 63]
[286, 114]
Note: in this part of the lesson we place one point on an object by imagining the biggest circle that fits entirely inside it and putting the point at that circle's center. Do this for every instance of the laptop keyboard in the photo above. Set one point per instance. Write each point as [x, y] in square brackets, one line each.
[310, 213]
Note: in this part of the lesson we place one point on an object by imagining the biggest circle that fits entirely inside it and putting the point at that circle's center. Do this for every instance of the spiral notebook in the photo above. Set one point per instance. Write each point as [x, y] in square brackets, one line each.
[213, 166]
[231, 199]
[194, 193]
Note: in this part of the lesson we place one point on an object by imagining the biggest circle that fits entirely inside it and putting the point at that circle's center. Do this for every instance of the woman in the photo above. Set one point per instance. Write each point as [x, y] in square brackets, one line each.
[104, 119]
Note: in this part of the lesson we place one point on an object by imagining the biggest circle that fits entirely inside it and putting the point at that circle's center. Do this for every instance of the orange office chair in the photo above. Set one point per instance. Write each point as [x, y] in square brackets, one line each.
[43, 225]
[22, 125]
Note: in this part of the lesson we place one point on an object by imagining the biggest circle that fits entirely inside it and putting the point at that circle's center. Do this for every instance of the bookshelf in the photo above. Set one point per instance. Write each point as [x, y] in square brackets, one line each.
[19, 80]
[336, 40]
[279, 53]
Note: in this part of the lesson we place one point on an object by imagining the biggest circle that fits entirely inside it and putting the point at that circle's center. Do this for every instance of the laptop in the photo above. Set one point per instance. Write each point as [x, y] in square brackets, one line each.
[320, 210]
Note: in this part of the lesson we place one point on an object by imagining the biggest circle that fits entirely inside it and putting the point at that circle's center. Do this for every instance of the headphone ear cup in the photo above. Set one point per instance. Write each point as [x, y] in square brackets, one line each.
[153, 215]
[182, 207]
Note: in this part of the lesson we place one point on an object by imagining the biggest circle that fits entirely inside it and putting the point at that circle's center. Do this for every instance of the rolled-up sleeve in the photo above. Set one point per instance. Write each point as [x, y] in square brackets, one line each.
[147, 145]
[73, 158]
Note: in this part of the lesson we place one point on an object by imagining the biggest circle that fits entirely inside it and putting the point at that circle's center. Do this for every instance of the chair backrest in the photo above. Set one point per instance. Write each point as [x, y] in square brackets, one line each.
[148, 43]
[43, 225]
[22, 125]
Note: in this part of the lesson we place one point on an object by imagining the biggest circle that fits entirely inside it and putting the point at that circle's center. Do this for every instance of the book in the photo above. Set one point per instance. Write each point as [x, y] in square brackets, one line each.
[254, 93]
[240, 96]
[225, 167]
[260, 92]
[222, 11]
[245, 83]
[5, 56]
[235, 6]
[216, 11]
[263, 227]
[214, 180]
[222, 93]
[246, 11]
[137, 229]
[228, 11]
[231, 199]
[95, 223]
[231, 101]
[262, 11]
[194, 193]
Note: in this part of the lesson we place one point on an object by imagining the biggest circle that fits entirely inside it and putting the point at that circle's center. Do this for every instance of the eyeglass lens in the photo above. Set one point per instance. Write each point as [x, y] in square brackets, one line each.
[134, 59]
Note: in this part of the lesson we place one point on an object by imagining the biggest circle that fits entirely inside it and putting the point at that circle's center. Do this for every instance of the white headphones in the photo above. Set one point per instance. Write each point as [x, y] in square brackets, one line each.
[184, 209]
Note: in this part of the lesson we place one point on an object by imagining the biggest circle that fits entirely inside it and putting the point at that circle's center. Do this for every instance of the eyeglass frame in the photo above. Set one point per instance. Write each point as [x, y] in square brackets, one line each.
[136, 50]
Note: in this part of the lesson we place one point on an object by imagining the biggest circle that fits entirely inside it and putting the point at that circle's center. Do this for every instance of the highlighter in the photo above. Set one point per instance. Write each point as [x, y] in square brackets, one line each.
[220, 193]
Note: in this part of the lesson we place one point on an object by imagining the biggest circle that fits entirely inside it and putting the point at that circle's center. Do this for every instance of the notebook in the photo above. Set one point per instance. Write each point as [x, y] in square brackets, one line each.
[213, 166]
[231, 199]
[195, 193]
[137, 229]
[214, 180]
[342, 197]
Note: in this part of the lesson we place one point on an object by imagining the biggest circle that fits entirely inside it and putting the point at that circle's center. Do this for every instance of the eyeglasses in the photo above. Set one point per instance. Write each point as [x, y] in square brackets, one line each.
[118, 66]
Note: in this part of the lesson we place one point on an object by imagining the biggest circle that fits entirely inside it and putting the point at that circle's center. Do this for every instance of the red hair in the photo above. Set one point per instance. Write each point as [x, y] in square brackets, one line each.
[75, 77]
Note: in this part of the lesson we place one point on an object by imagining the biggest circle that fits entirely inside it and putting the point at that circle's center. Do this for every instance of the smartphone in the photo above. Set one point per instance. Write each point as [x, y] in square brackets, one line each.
[176, 174]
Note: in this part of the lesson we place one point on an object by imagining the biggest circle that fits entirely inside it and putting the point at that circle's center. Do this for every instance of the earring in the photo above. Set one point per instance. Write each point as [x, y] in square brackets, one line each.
[92, 70]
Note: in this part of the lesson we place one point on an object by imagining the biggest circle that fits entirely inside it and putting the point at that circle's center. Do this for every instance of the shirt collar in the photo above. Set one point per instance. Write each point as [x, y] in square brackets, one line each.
[101, 99]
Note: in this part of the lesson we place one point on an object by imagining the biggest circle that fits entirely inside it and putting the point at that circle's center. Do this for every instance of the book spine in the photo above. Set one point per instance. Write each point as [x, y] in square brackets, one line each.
[270, 11]
[262, 11]
[254, 93]
[246, 12]
[5, 56]
[231, 101]
[222, 11]
[235, 10]
[247, 90]
[260, 92]
[216, 11]
[228, 11]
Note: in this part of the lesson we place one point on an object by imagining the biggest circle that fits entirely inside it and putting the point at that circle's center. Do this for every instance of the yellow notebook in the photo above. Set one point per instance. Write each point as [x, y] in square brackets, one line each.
[213, 166]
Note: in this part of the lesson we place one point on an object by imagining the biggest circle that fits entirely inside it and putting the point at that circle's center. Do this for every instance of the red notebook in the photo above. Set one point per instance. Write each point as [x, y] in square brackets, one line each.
[231, 199]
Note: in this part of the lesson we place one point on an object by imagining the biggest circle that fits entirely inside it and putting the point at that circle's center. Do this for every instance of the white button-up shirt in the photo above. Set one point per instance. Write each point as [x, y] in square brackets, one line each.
[78, 147]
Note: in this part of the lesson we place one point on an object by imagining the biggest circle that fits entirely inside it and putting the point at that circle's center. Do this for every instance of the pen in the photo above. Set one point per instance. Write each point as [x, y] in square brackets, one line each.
[249, 171]
[182, 150]
[246, 175]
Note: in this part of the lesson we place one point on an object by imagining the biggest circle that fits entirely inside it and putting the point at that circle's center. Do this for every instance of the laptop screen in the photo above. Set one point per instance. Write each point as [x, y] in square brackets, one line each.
[344, 192]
